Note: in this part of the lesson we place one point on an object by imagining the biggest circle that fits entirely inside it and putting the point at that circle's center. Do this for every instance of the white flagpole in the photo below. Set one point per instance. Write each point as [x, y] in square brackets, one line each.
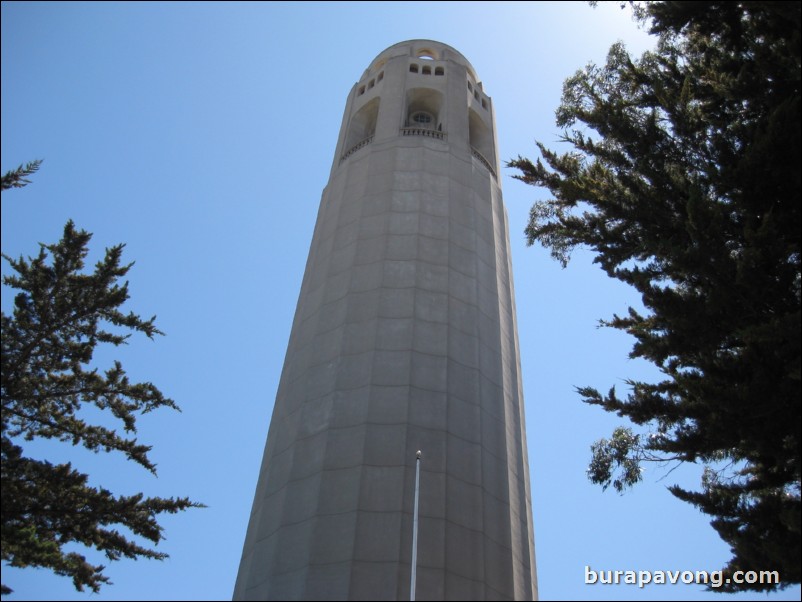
[415, 530]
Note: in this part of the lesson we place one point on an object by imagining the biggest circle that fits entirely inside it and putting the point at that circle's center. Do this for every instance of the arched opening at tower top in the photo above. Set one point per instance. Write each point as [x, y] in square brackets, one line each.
[363, 124]
[426, 54]
[424, 109]
[481, 136]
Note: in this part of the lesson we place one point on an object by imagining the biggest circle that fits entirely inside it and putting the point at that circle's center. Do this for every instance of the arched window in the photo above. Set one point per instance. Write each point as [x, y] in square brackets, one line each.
[427, 70]
[480, 136]
[413, 68]
[363, 125]
[421, 119]
[424, 109]
[439, 71]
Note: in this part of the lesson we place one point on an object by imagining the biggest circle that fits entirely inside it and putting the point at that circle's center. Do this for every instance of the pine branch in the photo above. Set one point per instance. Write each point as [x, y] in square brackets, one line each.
[17, 178]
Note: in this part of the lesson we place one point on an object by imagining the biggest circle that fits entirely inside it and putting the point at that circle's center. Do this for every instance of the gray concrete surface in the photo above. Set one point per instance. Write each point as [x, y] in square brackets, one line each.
[404, 339]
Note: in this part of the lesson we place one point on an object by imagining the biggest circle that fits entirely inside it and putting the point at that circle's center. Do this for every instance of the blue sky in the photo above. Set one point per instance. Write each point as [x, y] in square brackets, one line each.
[202, 135]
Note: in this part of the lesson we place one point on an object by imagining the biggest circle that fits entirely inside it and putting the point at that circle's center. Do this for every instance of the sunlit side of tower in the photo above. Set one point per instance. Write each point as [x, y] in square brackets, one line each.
[404, 339]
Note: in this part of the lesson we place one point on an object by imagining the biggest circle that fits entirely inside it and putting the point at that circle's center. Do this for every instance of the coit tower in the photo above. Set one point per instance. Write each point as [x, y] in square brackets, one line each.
[404, 339]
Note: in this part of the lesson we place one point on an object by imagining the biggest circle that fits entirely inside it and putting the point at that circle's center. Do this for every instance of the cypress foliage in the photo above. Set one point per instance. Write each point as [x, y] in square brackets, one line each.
[60, 317]
[685, 183]
[18, 178]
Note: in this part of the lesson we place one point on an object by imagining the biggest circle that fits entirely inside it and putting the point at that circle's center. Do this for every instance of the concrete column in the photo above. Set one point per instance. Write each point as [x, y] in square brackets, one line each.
[404, 339]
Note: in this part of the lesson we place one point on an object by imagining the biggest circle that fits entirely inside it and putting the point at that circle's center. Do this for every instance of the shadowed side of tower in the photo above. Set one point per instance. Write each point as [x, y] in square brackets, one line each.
[404, 339]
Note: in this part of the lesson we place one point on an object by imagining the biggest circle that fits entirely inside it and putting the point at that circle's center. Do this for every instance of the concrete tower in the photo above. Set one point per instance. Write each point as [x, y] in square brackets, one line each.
[404, 339]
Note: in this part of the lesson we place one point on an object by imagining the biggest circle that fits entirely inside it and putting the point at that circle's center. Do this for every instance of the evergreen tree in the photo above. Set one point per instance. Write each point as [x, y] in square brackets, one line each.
[60, 316]
[685, 183]
[17, 178]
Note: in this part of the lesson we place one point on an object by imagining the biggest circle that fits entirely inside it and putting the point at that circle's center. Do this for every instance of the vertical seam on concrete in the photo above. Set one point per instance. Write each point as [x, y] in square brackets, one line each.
[362, 193]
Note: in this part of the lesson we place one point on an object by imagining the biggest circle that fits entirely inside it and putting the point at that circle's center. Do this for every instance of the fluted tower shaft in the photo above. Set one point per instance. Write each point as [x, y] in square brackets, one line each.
[404, 339]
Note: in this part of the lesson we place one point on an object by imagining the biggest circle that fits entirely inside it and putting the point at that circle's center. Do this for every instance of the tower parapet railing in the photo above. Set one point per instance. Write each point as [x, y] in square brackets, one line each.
[413, 131]
[484, 162]
[356, 147]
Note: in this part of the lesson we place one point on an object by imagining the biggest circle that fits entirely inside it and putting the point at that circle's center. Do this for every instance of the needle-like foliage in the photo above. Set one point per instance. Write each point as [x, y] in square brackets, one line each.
[684, 181]
[60, 316]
